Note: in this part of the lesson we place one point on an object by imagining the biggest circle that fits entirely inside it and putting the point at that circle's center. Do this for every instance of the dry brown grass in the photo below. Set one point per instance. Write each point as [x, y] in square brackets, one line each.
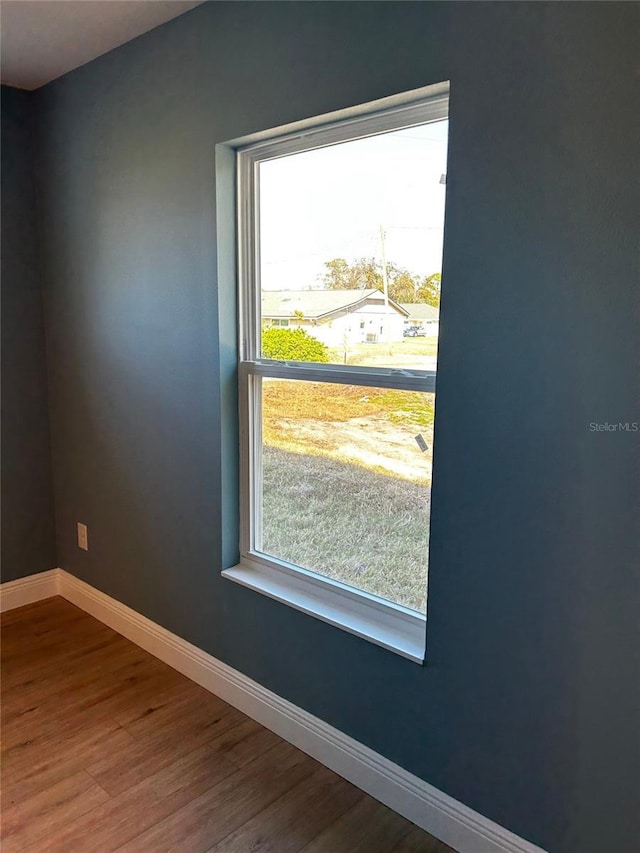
[327, 401]
[346, 489]
[364, 528]
[325, 419]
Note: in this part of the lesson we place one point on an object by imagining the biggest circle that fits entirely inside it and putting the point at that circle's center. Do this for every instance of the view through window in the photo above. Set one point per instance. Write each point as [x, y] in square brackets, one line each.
[347, 241]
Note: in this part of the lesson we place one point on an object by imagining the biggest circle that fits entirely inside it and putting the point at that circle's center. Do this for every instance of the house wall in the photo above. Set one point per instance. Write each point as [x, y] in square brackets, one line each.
[28, 532]
[526, 709]
[347, 327]
[430, 326]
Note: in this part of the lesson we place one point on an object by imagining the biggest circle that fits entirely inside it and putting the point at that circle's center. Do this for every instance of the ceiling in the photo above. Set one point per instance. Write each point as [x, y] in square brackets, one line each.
[43, 39]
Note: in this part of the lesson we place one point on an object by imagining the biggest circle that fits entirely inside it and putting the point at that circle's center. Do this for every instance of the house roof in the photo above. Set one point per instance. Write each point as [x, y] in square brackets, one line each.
[320, 304]
[421, 311]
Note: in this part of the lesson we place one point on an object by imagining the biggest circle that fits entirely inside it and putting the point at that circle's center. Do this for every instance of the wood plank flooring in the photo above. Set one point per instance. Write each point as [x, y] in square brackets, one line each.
[105, 748]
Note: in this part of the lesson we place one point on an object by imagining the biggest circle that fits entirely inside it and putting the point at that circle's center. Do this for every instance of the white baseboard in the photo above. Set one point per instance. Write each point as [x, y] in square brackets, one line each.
[28, 590]
[434, 811]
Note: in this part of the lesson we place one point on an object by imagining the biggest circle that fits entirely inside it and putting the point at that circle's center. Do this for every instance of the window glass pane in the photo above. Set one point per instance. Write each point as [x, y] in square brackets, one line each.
[336, 222]
[345, 484]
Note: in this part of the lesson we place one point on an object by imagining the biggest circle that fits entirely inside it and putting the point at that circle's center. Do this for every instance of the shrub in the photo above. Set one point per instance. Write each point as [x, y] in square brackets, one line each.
[292, 345]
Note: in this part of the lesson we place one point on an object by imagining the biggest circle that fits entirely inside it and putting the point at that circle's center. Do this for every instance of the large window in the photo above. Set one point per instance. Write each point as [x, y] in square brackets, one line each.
[340, 251]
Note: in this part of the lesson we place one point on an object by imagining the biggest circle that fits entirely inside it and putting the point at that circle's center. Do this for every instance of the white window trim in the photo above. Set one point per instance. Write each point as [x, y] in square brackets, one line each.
[385, 623]
[381, 622]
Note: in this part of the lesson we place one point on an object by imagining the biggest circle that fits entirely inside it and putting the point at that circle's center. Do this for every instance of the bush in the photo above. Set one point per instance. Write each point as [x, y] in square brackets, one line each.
[292, 345]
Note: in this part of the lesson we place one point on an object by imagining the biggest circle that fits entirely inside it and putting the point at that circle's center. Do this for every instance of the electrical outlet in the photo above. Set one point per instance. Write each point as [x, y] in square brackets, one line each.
[83, 537]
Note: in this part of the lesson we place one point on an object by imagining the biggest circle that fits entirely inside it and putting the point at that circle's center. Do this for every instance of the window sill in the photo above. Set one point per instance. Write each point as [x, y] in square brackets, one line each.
[391, 626]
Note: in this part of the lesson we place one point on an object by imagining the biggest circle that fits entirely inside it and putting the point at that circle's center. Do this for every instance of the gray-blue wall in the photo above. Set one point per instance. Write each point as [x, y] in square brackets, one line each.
[527, 709]
[28, 532]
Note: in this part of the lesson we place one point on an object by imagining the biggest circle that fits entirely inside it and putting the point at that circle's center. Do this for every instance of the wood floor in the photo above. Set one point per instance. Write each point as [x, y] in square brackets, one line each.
[106, 748]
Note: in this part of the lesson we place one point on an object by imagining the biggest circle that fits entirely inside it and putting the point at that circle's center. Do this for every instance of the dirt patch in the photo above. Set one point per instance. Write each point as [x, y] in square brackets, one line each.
[372, 443]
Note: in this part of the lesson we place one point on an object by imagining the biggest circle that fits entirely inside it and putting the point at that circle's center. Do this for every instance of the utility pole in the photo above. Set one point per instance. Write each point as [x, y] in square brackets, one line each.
[385, 285]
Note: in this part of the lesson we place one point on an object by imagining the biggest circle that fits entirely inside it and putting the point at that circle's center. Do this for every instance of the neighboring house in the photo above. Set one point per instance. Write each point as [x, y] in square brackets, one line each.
[336, 317]
[422, 315]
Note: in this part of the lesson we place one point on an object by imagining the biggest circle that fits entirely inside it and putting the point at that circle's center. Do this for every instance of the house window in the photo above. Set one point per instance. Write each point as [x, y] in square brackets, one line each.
[336, 434]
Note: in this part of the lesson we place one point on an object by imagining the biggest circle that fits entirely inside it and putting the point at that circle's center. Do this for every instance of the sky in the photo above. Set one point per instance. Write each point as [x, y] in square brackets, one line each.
[330, 203]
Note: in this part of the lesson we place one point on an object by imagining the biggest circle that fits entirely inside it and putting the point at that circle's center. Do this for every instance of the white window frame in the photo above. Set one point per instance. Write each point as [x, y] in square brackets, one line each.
[385, 623]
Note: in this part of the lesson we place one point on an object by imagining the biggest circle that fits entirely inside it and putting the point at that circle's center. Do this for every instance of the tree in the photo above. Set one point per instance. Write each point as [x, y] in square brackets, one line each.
[402, 286]
[292, 345]
[429, 290]
[366, 274]
[338, 275]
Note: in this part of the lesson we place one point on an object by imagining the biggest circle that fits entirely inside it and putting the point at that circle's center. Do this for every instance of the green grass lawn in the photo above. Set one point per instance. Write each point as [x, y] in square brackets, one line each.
[361, 527]
[409, 352]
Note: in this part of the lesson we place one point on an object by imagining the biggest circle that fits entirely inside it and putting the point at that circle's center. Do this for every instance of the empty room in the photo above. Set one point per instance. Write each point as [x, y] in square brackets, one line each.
[320, 426]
